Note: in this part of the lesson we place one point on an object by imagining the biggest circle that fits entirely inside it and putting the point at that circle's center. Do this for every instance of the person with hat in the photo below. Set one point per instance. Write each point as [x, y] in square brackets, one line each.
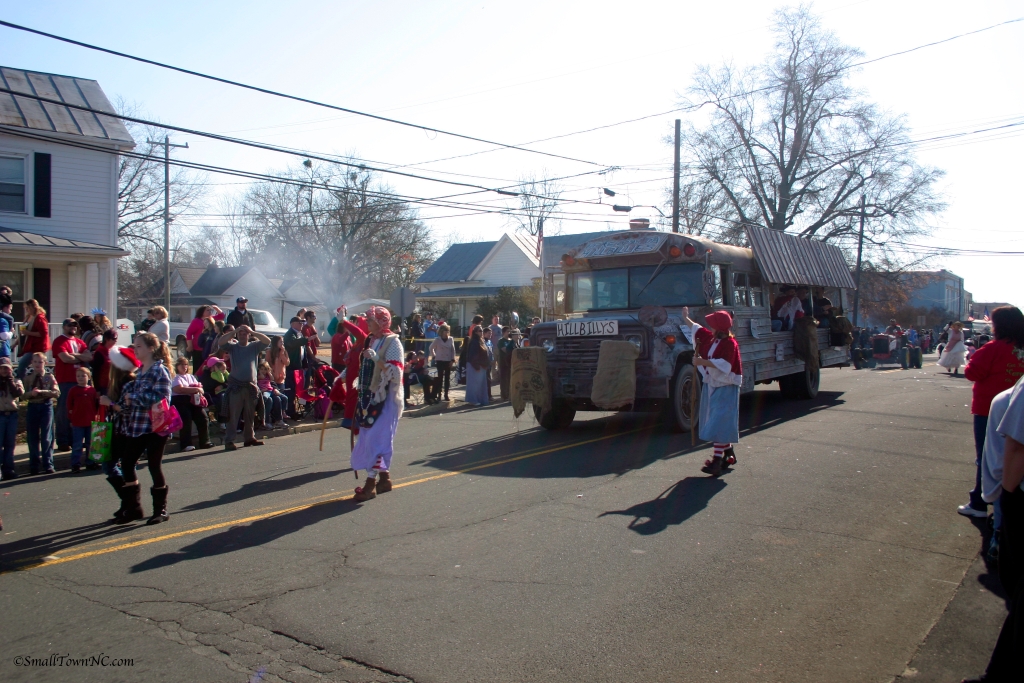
[717, 358]
[295, 344]
[240, 316]
[380, 404]
[11, 390]
[68, 353]
[123, 366]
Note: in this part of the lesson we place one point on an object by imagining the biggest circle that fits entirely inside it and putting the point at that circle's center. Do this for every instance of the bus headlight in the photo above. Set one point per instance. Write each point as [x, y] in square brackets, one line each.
[636, 340]
[549, 345]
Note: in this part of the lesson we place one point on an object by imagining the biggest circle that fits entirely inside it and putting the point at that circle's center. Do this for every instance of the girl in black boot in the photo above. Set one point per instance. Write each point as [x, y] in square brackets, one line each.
[151, 386]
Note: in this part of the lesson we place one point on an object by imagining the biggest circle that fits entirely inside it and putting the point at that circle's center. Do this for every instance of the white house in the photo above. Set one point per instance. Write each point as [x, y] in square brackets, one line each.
[467, 272]
[58, 194]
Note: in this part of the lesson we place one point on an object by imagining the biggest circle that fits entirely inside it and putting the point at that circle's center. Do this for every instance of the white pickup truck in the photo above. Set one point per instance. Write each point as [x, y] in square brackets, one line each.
[265, 323]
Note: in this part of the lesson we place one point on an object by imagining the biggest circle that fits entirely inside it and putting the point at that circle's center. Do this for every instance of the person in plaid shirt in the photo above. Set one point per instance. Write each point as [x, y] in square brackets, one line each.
[152, 384]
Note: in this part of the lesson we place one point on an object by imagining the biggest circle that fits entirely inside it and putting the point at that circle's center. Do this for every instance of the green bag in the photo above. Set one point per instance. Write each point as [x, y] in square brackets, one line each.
[99, 442]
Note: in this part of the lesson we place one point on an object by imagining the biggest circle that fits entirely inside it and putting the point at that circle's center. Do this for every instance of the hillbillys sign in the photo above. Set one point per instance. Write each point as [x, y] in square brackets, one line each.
[587, 328]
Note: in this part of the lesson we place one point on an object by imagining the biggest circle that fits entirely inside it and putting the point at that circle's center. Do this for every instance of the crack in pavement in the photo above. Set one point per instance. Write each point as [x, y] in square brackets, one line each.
[239, 645]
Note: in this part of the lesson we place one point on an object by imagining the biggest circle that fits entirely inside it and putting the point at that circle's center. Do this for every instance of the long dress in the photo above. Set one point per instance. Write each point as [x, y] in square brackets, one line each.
[375, 446]
[954, 353]
[478, 381]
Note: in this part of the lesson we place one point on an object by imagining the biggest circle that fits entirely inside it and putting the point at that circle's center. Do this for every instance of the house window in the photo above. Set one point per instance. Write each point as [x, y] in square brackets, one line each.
[15, 279]
[12, 184]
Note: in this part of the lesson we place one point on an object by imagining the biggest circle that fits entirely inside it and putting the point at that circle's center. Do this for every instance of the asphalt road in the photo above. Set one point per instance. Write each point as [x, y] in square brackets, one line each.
[507, 553]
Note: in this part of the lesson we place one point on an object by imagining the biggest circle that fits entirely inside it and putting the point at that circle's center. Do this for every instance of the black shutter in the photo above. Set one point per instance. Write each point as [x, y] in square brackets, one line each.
[41, 187]
[41, 286]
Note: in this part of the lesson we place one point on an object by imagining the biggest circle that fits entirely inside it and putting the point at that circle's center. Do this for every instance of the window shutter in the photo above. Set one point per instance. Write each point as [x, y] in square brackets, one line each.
[41, 185]
[41, 287]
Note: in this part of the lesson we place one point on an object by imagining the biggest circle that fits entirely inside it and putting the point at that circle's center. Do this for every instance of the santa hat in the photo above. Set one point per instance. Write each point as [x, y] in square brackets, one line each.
[719, 321]
[123, 358]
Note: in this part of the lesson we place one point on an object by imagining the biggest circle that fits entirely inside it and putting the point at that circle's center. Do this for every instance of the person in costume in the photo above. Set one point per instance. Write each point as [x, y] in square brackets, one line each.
[380, 404]
[348, 340]
[718, 359]
[955, 352]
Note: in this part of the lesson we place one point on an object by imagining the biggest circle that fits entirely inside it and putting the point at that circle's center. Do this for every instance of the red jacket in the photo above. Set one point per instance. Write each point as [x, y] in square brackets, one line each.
[83, 404]
[993, 368]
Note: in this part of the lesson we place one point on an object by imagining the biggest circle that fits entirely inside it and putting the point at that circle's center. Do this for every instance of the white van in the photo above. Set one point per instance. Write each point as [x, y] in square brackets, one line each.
[265, 321]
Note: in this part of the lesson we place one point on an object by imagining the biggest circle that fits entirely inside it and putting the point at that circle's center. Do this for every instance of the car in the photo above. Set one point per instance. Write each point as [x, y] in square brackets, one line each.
[265, 321]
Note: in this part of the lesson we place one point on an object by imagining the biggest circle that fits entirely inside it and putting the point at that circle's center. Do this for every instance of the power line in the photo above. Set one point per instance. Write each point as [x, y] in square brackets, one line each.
[267, 91]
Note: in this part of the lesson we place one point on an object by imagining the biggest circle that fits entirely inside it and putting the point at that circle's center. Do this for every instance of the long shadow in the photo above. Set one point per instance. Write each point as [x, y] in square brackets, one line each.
[594, 448]
[673, 506]
[252, 535]
[260, 488]
[26, 551]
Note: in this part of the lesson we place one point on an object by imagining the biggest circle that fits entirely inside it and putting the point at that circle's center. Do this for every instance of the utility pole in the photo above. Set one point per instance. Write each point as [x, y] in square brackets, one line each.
[675, 185]
[543, 274]
[167, 144]
[860, 251]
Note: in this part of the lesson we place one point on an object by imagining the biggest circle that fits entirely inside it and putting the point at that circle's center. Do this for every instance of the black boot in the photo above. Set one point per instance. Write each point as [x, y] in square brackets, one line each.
[159, 505]
[117, 481]
[713, 466]
[131, 503]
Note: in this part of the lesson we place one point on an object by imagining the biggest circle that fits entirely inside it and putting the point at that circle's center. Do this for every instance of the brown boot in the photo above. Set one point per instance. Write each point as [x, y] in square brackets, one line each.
[366, 491]
[383, 482]
[131, 500]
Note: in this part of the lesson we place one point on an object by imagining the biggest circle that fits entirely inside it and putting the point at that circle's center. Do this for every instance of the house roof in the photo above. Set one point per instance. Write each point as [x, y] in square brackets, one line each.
[556, 245]
[190, 276]
[214, 281]
[457, 263]
[23, 112]
[19, 239]
[459, 293]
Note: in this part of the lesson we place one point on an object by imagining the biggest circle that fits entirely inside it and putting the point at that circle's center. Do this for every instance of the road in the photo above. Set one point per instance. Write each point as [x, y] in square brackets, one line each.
[507, 553]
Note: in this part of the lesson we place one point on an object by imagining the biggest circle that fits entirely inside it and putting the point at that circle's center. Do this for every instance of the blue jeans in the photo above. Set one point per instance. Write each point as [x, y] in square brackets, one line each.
[8, 429]
[80, 444]
[23, 363]
[63, 422]
[39, 421]
[980, 426]
[273, 407]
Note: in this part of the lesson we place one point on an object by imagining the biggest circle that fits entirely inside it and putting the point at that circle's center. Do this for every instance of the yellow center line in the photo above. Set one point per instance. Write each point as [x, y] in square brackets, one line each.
[35, 562]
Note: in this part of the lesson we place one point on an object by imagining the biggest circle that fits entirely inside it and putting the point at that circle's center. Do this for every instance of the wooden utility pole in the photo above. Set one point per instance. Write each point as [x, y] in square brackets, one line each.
[675, 185]
[167, 144]
[860, 251]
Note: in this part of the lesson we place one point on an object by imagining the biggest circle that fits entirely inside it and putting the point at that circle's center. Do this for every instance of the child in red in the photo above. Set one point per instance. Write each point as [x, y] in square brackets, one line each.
[83, 404]
[718, 359]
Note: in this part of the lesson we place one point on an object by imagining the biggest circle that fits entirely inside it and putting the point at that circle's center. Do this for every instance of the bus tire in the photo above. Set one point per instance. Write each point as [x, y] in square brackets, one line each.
[680, 413]
[559, 416]
[802, 385]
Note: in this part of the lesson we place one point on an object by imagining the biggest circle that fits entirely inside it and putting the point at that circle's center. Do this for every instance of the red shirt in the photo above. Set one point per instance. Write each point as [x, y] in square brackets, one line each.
[309, 331]
[83, 403]
[65, 372]
[993, 368]
[101, 367]
[40, 344]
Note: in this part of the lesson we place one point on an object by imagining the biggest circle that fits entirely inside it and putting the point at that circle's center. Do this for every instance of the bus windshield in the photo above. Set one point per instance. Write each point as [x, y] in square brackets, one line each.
[678, 284]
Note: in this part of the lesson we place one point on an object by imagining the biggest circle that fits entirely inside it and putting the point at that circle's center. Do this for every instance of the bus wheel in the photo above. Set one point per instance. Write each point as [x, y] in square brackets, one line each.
[802, 385]
[559, 416]
[680, 412]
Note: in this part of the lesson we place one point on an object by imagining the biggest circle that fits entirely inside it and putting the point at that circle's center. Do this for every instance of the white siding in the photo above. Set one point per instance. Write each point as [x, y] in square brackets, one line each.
[58, 290]
[507, 265]
[81, 192]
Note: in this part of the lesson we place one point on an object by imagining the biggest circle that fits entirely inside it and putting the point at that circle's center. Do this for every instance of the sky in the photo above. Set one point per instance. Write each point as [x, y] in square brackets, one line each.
[519, 72]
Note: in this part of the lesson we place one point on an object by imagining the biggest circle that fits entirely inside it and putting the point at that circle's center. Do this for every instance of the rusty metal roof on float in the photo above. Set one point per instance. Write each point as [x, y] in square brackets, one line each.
[785, 259]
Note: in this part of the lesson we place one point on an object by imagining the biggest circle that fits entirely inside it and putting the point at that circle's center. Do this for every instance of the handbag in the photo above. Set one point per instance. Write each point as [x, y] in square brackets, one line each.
[165, 418]
[100, 442]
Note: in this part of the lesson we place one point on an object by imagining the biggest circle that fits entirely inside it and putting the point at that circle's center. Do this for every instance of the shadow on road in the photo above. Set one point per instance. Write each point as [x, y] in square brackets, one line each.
[673, 506]
[261, 488]
[257, 533]
[592, 448]
[28, 550]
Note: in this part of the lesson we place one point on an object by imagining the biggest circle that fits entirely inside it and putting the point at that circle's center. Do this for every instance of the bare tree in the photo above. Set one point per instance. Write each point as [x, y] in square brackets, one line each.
[339, 229]
[538, 199]
[792, 146]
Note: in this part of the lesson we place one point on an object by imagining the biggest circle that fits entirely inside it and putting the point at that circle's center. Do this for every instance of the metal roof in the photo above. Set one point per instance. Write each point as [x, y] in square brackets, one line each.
[14, 239]
[555, 246]
[216, 280]
[457, 263]
[23, 112]
[785, 259]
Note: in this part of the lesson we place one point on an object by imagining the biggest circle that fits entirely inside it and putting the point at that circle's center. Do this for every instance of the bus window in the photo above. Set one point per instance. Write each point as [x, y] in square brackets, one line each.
[740, 294]
[600, 289]
[674, 285]
[755, 289]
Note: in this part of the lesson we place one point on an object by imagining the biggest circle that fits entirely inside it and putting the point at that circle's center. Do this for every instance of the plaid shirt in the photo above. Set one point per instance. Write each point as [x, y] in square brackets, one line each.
[149, 388]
